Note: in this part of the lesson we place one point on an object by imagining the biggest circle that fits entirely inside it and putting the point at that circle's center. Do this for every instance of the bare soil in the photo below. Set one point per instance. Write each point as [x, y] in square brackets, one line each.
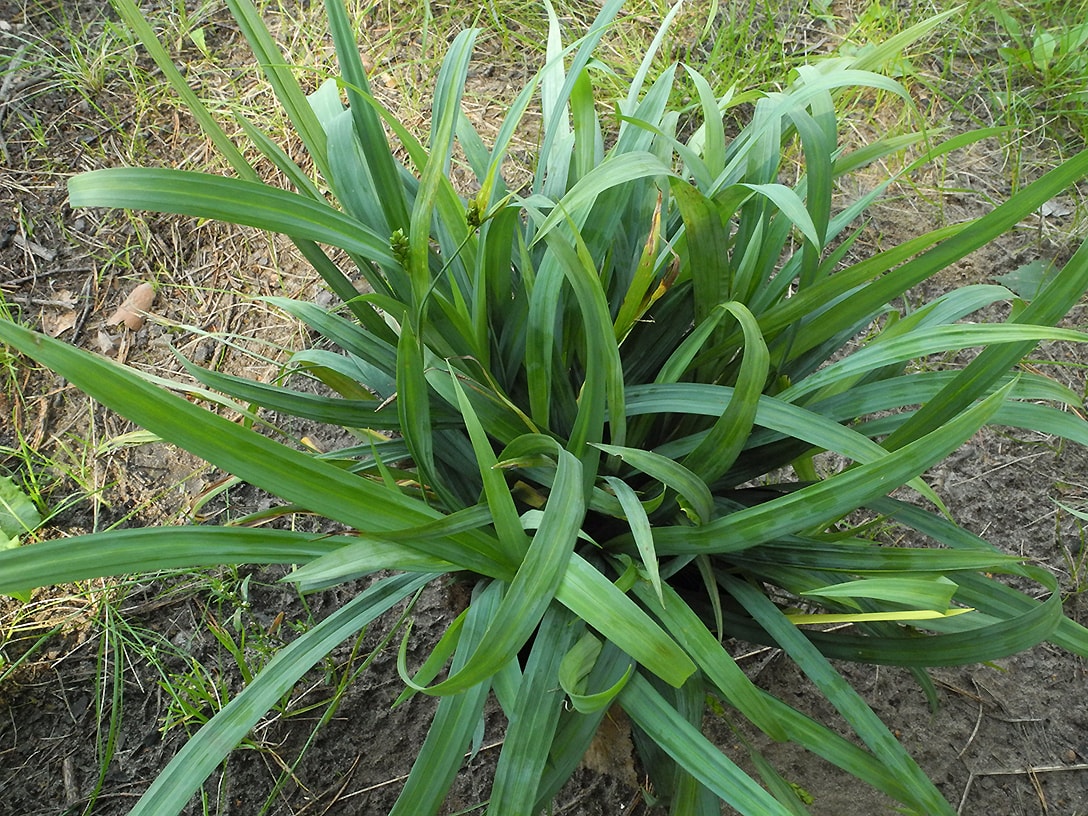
[84, 713]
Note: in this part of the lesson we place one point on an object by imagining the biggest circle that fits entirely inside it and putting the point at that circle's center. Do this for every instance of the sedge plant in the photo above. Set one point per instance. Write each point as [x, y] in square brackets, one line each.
[599, 399]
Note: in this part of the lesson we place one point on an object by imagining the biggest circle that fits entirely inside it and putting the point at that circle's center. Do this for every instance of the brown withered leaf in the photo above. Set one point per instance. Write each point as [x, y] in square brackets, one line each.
[612, 751]
[55, 324]
[131, 311]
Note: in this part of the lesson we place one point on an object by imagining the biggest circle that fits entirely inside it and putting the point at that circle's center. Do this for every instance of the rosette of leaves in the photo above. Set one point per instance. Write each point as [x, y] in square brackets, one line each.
[600, 397]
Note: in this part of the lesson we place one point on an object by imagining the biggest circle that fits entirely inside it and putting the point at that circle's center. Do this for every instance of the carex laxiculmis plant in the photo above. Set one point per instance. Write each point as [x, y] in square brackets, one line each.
[601, 397]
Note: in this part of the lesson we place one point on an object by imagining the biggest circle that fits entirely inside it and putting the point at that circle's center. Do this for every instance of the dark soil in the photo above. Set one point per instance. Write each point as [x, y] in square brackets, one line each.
[83, 726]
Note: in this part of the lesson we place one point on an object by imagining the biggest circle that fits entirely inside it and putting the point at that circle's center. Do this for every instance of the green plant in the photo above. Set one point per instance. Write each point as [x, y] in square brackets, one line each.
[1048, 63]
[601, 398]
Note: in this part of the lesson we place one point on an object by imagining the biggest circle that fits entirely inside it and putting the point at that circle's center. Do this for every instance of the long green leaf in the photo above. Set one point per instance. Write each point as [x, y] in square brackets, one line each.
[641, 529]
[445, 108]
[121, 552]
[719, 449]
[139, 25]
[379, 158]
[924, 796]
[504, 512]
[694, 752]
[1056, 299]
[671, 474]
[533, 720]
[596, 600]
[296, 477]
[277, 70]
[205, 750]
[822, 502]
[458, 715]
[872, 297]
[610, 173]
[235, 201]
[535, 584]
[924, 341]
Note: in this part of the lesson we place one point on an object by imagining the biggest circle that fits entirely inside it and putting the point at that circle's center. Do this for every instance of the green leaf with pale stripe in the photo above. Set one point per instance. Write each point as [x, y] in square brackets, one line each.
[917, 592]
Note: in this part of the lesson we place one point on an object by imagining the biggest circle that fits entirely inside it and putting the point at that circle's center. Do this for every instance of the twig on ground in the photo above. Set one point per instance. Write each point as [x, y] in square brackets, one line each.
[45, 253]
[1032, 772]
[5, 94]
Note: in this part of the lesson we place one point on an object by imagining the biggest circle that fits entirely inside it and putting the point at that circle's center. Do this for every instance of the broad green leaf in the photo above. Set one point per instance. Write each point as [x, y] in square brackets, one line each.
[343, 412]
[361, 557]
[961, 639]
[18, 515]
[718, 665]
[577, 664]
[713, 127]
[434, 187]
[864, 558]
[414, 413]
[602, 388]
[596, 600]
[708, 247]
[122, 552]
[983, 593]
[924, 341]
[933, 592]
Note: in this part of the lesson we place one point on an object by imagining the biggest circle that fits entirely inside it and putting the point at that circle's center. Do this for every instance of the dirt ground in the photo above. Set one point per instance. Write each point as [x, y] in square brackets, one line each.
[83, 716]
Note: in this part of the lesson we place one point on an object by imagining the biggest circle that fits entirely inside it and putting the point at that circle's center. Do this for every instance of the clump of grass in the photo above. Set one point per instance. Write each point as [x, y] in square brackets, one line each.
[599, 396]
[1045, 50]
